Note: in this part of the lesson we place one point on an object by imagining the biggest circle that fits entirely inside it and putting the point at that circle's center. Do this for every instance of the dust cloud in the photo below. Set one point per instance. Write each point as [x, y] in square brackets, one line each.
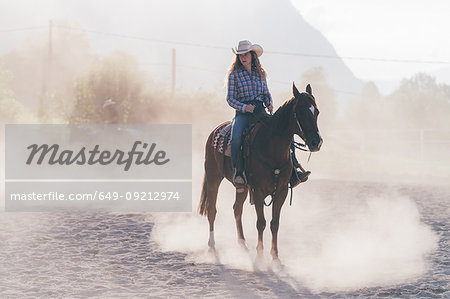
[336, 239]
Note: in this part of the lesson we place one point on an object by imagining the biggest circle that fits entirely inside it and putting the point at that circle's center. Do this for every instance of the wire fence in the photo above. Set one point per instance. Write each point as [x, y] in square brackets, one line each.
[211, 71]
[221, 47]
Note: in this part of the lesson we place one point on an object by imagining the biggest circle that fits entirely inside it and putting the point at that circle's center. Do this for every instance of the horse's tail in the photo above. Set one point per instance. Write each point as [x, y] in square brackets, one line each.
[202, 206]
[212, 174]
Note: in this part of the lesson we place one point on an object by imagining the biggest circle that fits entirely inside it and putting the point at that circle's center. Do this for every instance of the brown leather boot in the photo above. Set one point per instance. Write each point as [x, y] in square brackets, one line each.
[239, 181]
[298, 176]
[303, 176]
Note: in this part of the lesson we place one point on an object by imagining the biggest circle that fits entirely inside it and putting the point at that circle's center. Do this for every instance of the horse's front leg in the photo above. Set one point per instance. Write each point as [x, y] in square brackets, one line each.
[278, 202]
[260, 223]
[237, 207]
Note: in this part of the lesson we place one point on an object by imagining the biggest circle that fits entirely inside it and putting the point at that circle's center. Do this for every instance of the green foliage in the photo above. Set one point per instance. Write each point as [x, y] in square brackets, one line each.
[53, 109]
[44, 84]
[10, 109]
[116, 77]
[420, 102]
[5, 79]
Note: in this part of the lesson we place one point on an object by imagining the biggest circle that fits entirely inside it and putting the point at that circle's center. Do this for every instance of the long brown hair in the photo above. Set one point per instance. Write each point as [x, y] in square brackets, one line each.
[256, 65]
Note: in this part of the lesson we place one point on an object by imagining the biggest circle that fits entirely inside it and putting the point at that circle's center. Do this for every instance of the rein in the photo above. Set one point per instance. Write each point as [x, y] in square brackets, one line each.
[299, 128]
[298, 145]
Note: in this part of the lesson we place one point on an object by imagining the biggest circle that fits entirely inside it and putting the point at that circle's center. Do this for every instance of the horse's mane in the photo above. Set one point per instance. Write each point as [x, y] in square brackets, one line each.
[280, 118]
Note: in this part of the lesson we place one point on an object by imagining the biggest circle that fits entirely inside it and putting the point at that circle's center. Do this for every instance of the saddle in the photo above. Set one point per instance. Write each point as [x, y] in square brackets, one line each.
[221, 140]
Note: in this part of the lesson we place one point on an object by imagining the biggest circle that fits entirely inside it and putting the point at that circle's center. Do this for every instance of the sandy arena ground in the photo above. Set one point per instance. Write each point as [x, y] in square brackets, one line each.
[338, 239]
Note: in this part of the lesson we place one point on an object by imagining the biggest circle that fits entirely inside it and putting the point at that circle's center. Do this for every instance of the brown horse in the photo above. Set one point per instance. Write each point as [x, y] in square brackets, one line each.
[268, 167]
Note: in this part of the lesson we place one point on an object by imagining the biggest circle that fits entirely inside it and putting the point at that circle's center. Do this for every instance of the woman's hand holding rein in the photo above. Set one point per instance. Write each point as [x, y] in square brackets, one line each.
[249, 108]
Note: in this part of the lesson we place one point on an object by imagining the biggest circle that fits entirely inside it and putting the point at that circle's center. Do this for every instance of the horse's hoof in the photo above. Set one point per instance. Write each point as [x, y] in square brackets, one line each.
[212, 249]
[243, 244]
[259, 256]
[276, 264]
[260, 264]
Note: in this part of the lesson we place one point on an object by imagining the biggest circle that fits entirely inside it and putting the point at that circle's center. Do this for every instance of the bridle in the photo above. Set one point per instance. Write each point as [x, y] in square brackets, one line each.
[298, 145]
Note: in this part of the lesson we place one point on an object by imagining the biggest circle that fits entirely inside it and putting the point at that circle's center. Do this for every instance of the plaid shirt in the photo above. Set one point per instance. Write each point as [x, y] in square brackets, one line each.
[244, 87]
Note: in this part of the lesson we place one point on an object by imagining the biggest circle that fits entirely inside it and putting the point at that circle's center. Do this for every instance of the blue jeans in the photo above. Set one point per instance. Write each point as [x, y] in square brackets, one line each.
[240, 122]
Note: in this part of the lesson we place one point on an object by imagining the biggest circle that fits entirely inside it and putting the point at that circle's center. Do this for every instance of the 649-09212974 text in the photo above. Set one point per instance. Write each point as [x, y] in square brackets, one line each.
[97, 196]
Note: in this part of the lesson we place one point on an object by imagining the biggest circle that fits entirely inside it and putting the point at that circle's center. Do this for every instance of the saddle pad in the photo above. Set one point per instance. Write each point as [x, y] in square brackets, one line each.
[220, 134]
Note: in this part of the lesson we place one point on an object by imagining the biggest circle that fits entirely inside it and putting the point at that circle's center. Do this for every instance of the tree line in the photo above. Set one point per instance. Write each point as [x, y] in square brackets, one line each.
[81, 82]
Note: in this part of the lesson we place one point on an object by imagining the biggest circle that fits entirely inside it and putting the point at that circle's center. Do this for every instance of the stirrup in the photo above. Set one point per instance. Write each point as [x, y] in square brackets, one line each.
[303, 176]
[298, 177]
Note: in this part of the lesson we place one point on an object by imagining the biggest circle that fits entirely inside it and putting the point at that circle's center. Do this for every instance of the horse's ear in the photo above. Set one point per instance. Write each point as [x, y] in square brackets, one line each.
[295, 90]
[309, 89]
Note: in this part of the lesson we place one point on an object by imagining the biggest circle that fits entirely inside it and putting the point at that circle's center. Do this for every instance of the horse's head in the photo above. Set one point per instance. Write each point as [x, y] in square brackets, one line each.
[306, 114]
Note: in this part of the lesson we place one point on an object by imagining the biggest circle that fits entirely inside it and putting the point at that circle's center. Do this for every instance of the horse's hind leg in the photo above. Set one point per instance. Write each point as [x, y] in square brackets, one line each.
[237, 207]
[211, 182]
[212, 191]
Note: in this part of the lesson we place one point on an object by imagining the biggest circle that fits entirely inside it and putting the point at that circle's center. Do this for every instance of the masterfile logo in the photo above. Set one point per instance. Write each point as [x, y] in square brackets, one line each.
[98, 152]
[52, 155]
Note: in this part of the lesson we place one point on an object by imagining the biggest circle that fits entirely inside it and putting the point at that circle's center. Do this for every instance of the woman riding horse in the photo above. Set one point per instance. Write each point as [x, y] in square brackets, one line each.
[247, 93]
[268, 165]
[269, 159]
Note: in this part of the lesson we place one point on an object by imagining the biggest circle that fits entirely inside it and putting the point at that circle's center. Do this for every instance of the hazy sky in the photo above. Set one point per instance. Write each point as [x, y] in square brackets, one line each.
[414, 30]
[386, 29]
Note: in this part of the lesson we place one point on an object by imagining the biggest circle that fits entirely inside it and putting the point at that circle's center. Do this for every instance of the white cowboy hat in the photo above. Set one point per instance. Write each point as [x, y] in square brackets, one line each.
[246, 46]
